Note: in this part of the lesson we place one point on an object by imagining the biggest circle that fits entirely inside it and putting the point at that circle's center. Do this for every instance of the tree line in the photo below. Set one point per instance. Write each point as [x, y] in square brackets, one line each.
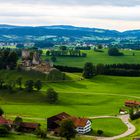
[105, 69]
[69, 53]
[8, 59]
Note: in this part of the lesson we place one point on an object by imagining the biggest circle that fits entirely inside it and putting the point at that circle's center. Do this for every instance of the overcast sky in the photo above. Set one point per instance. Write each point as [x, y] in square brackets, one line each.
[109, 14]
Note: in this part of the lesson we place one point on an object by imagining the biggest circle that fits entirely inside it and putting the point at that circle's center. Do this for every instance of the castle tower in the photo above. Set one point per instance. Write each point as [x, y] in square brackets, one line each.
[36, 59]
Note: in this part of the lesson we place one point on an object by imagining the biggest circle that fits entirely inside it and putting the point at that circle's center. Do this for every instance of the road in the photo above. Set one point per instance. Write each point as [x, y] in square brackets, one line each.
[125, 120]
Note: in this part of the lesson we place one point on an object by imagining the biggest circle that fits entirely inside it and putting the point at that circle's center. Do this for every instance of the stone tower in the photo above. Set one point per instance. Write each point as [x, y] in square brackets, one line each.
[36, 59]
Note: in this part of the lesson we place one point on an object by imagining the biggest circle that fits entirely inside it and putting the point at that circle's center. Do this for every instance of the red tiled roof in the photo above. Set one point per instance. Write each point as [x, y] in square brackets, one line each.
[79, 122]
[132, 102]
[63, 115]
[29, 125]
[5, 121]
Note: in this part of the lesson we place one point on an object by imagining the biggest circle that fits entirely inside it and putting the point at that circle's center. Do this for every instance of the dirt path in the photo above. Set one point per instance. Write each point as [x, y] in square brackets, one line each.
[125, 120]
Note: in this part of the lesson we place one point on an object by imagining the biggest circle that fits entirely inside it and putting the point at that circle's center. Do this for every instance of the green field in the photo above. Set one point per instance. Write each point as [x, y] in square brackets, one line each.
[107, 125]
[102, 95]
[100, 58]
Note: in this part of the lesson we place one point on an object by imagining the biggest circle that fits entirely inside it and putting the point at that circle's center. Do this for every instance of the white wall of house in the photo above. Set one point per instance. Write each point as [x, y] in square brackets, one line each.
[85, 129]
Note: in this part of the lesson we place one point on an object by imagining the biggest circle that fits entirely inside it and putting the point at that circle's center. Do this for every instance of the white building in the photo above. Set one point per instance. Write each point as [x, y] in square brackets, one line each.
[82, 125]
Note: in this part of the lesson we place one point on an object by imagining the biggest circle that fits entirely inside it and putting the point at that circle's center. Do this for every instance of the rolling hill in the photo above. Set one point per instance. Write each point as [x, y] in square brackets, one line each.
[64, 33]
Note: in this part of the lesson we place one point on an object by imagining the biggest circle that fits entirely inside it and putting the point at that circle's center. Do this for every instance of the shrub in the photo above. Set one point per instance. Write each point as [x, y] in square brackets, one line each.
[29, 85]
[67, 129]
[52, 96]
[1, 112]
[114, 52]
[3, 131]
[100, 132]
[89, 70]
[38, 85]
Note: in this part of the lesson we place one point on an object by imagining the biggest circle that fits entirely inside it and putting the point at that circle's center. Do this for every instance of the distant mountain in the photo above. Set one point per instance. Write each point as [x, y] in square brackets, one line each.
[72, 33]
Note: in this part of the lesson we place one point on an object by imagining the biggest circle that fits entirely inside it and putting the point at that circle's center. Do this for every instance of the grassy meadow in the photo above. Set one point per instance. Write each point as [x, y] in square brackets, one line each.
[100, 58]
[106, 125]
[102, 95]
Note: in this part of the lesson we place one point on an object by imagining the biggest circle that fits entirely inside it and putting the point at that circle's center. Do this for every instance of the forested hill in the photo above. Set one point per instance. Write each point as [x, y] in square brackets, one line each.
[10, 32]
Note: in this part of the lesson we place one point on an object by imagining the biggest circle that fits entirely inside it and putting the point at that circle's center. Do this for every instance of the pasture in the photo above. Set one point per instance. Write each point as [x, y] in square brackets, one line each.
[100, 58]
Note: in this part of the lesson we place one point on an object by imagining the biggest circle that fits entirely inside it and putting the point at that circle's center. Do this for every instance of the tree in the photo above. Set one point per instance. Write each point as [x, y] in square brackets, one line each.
[100, 132]
[114, 52]
[12, 59]
[52, 96]
[48, 53]
[29, 85]
[63, 48]
[41, 133]
[67, 129]
[100, 68]
[89, 70]
[38, 85]
[53, 58]
[1, 83]
[100, 46]
[17, 122]
[3, 131]
[10, 85]
[20, 46]
[19, 82]
[1, 112]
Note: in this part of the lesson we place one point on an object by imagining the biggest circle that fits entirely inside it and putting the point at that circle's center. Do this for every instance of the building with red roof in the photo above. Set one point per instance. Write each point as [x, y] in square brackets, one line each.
[132, 103]
[28, 127]
[82, 125]
[4, 121]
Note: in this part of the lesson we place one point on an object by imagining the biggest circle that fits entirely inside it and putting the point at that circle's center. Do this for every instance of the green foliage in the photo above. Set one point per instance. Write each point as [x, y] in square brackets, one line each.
[29, 85]
[99, 46]
[100, 132]
[114, 52]
[3, 131]
[38, 85]
[52, 96]
[100, 68]
[89, 70]
[67, 129]
[63, 48]
[1, 83]
[1, 112]
[54, 59]
[41, 133]
[18, 120]
[19, 82]
[20, 46]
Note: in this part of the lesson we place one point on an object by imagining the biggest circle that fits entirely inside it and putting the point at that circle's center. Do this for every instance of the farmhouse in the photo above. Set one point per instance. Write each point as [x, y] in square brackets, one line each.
[132, 103]
[6, 122]
[82, 125]
[28, 127]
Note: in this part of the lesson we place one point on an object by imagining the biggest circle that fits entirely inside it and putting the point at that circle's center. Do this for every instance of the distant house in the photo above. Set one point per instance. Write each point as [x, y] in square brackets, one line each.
[28, 127]
[82, 125]
[132, 103]
[6, 122]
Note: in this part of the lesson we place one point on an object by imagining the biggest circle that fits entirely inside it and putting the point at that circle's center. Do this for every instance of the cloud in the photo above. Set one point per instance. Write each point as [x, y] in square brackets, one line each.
[37, 13]
[77, 2]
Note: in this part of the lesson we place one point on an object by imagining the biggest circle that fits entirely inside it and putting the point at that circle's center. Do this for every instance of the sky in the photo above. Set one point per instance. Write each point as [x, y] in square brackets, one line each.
[108, 14]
